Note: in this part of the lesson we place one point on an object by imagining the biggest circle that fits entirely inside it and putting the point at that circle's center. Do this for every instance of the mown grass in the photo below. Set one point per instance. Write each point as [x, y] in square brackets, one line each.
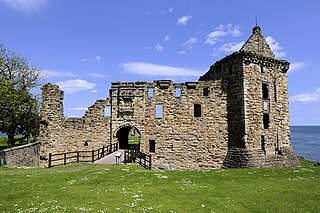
[131, 188]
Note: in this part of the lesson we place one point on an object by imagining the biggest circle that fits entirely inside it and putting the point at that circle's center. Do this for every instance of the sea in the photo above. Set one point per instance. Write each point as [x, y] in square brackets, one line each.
[305, 140]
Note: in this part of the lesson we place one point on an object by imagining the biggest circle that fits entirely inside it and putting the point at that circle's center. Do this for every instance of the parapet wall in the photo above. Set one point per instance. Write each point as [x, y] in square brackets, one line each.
[25, 155]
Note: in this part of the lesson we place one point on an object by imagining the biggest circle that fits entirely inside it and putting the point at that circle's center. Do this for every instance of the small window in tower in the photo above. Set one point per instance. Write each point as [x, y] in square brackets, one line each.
[266, 120]
[152, 146]
[262, 68]
[275, 91]
[197, 110]
[265, 91]
[206, 91]
[178, 92]
[263, 144]
[86, 143]
[150, 92]
[107, 111]
[159, 110]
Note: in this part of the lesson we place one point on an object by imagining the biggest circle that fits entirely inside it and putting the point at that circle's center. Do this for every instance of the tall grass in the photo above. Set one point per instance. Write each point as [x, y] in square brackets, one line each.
[130, 188]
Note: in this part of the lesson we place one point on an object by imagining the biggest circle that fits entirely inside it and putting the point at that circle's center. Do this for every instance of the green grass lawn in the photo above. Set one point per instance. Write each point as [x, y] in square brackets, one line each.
[4, 139]
[131, 188]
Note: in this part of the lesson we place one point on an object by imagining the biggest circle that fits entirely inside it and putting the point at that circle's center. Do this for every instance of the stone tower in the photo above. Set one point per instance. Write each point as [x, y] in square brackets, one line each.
[257, 105]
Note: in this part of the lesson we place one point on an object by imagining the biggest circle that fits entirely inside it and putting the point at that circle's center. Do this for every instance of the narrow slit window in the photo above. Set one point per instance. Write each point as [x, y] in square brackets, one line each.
[151, 92]
[159, 111]
[107, 111]
[263, 144]
[266, 120]
[275, 91]
[265, 91]
[152, 146]
[197, 110]
[178, 92]
[262, 68]
[206, 91]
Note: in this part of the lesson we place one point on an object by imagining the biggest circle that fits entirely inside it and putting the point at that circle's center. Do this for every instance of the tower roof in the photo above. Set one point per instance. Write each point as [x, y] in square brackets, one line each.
[257, 44]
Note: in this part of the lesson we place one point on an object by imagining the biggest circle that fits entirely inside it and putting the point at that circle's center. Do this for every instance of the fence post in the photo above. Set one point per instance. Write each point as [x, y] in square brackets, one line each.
[64, 158]
[125, 156]
[150, 160]
[92, 156]
[140, 156]
[49, 163]
[103, 151]
[78, 157]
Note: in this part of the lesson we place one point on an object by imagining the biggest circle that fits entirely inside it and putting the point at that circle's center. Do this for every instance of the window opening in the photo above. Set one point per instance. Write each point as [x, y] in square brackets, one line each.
[197, 110]
[230, 70]
[152, 146]
[265, 91]
[107, 111]
[275, 91]
[150, 92]
[263, 144]
[262, 68]
[159, 111]
[206, 91]
[178, 92]
[86, 143]
[266, 120]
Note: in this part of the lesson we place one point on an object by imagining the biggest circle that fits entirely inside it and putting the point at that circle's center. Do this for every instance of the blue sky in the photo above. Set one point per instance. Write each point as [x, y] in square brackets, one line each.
[84, 45]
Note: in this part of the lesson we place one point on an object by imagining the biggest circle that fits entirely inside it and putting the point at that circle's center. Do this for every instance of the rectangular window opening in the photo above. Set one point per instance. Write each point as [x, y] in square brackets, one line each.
[266, 120]
[263, 144]
[152, 146]
[178, 92]
[275, 91]
[197, 110]
[159, 111]
[206, 91]
[107, 111]
[150, 92]
[262, 68]
[265, 91]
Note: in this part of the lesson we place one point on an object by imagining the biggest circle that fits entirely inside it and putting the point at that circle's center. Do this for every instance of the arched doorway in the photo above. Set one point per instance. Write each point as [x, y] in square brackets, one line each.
[128, 136]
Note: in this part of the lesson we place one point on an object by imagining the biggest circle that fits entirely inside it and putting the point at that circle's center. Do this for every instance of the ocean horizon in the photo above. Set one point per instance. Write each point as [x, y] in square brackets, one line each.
[305, 141]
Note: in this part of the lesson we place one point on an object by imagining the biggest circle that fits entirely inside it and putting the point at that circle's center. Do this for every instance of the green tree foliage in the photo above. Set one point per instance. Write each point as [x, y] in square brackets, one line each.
[19, 107]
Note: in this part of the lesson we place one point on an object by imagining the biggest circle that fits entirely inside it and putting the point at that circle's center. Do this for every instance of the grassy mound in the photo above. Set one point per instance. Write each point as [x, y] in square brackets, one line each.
[130, 188]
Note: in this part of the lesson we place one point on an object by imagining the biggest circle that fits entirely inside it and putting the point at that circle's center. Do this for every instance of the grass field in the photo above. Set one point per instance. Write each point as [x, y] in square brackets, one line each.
[131, 188]
[4, 139]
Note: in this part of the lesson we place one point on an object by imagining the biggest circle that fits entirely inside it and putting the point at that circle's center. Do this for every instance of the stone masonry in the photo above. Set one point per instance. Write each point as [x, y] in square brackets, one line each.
[236, 116]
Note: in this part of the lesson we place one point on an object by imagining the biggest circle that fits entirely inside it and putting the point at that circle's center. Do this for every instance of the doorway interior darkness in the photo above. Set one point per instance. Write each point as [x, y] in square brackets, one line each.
[123, 135]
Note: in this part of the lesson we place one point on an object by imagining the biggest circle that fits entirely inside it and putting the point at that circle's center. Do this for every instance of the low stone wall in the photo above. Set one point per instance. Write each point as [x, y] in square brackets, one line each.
[25, 155]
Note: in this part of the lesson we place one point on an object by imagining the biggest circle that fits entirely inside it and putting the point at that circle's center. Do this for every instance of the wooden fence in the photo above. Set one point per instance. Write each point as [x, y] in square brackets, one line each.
[134, 153]
[80, 156]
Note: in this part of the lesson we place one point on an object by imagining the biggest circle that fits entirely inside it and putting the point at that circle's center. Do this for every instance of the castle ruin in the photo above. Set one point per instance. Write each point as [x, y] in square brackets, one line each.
[235, 116]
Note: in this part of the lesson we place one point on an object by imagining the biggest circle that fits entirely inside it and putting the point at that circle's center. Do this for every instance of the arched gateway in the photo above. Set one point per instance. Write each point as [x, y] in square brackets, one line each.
[128, 136]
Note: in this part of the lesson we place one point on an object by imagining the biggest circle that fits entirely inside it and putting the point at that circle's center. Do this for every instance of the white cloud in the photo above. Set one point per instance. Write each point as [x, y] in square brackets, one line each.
[78, 109]
[230, 47]
[142, 68]
[296, 66]
[189, 44]
[222, 31]
[183, 20]
[158, 48]
[52, 74]
[26, 5]
[275, 47]
[77, 85]
[170, 10]
[93, 58]
[311, 97]
[167, 38]
[97, 75]
[182, 52]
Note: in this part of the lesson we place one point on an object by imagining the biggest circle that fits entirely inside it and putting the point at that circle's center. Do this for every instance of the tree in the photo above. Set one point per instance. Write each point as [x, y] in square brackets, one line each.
[18, 105]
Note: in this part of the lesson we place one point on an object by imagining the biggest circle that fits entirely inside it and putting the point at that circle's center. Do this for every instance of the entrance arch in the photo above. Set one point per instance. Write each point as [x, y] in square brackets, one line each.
[128, 136]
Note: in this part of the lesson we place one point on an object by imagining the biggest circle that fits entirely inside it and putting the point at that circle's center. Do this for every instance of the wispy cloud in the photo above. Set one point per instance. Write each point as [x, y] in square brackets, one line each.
[222, 31]
[184, 19]
[230, 47]
[311, 97]
[296, 66]
[53, 74]
[170, 10]
[77, 85]
[142, 68]
[189, 44]
[275, 47]
[78, 109]
[182, 52]
[26, 5]
[93, 58]
[167, 38]
[97, 75]
[157, 48]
